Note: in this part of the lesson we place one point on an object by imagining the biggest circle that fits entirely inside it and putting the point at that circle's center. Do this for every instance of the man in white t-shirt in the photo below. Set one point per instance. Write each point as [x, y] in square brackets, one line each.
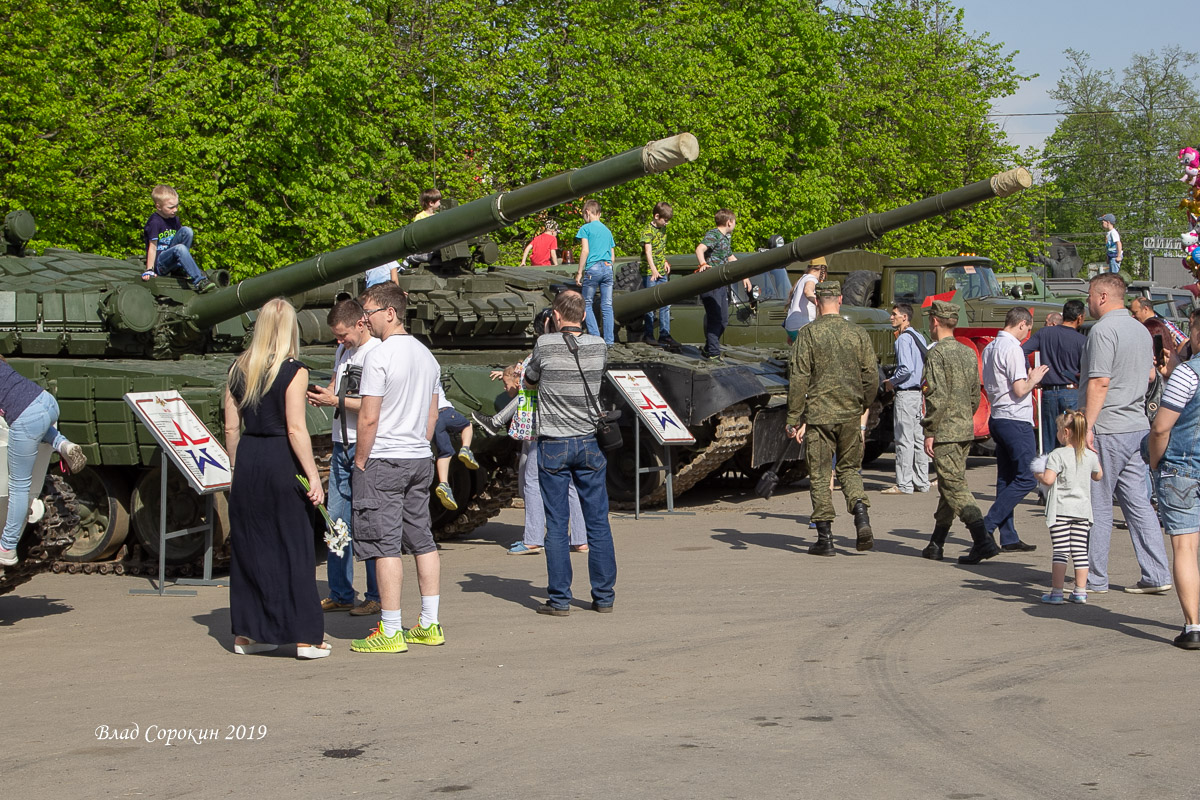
[354, 342]
[393, 470]
[802, 305]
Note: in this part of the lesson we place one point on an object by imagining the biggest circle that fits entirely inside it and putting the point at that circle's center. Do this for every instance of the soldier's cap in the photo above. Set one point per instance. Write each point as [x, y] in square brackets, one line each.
[828, 289]
[943, 309]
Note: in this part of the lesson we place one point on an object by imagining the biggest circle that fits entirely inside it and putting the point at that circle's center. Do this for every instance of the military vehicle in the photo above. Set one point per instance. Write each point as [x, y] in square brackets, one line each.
[743, 402]
[1027, 285]
[88, 329]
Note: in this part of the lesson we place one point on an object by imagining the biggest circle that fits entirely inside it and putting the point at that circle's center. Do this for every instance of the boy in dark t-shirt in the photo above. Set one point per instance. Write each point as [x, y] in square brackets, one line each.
[168, 244]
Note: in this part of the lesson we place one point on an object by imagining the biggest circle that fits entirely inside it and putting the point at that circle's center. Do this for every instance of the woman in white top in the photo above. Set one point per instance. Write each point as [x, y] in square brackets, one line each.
[802, 306]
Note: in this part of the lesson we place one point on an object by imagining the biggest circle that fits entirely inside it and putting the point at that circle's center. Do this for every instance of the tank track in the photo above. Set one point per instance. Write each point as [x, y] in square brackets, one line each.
[733, 431]
[51, 535]
[499, 492]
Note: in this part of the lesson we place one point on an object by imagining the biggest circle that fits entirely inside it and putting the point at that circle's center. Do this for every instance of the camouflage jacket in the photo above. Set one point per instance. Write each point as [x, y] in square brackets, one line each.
[833, 375]
[951, 392]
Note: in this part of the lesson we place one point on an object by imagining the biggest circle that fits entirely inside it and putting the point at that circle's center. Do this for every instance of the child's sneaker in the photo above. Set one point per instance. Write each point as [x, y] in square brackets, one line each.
[468, 458]
[72, 455]
[1054, 599]
[1078, 597]
[431, 635]
[205, 286]
[377, 642]
[487, 423]
[446, 496]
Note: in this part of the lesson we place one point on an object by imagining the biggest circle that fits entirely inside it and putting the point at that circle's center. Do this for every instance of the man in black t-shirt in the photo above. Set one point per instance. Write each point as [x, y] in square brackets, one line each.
[1061, 348]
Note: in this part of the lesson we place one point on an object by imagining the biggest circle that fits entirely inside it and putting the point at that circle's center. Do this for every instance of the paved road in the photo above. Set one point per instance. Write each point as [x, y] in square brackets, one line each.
[735, 666]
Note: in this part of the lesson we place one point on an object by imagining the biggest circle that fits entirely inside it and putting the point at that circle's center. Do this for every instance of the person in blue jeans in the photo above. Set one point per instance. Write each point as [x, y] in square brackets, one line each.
[354, 339]
[1173, 450]
[1061, 349]
[596, 270]
[30, 412]
[169, 244]
[566, 368]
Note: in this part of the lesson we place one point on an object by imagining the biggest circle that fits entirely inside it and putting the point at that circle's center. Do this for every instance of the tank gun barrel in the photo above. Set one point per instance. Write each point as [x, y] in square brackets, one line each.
[854, 232]
[472, 219]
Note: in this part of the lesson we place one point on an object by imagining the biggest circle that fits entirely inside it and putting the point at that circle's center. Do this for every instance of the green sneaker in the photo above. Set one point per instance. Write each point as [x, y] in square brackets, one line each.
[468, 458]
[431, 635]
[377, 642]
[445, 495]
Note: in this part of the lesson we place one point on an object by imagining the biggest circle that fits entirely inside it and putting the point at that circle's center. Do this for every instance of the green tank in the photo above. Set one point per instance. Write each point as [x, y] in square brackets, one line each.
[88, 329]
[481, 321]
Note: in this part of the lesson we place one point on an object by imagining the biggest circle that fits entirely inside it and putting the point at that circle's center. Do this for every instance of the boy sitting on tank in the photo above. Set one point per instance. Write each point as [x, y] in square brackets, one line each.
[169, 244]
[450, 421]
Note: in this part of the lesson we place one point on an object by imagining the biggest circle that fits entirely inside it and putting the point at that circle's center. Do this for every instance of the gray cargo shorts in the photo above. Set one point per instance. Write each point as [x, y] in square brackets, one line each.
[390, 501]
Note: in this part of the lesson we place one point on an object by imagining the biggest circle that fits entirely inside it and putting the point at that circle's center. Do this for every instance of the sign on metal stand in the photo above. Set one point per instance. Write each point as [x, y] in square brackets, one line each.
[187, 443]
[653, 412]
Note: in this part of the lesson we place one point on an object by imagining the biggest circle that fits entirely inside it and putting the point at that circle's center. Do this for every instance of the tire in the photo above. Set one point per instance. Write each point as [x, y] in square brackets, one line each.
[860, 288]
[628, 278]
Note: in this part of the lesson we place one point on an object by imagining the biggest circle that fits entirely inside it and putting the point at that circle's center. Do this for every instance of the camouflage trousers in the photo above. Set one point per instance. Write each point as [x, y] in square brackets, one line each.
[822, 443]
[954, 498]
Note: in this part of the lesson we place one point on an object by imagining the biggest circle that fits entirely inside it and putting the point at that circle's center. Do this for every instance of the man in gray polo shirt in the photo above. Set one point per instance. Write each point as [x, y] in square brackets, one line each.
[565, 368]
[1117, 365]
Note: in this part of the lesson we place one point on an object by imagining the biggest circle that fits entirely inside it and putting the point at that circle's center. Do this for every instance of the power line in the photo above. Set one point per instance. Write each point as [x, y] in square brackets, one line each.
[1090, 113]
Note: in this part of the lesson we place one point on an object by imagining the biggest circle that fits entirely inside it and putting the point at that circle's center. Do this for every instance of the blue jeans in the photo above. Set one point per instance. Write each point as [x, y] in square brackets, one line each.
[664, 313]
[776, 285]
[25, 433]
[340, 569]
[578, 459]
[178, 257]
[1055, 402]
[530, 488]
[1114, 265]
[1016, 447]
[599, 275]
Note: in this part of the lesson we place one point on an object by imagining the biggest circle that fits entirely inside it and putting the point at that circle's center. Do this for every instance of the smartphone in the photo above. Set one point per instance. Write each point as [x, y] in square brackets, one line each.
[312, 387]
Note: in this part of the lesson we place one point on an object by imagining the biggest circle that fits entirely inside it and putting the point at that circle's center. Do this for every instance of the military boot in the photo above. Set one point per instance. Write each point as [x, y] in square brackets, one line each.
[983, 546]
[824, 544]
[937, 541]
[862, 527]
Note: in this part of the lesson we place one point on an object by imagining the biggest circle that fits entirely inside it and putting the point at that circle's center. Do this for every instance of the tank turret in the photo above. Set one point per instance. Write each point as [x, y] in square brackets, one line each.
[844, 235]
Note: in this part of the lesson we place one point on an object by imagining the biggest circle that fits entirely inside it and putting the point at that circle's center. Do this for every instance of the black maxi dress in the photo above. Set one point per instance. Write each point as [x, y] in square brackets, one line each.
[273, 593]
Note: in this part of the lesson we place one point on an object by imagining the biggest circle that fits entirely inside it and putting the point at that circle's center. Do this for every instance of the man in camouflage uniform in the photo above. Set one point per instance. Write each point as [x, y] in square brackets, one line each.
[833, 378]
[951, 398]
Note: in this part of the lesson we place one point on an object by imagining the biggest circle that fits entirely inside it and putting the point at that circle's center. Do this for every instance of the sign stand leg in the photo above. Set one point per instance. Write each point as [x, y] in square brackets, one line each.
[164, 535]
[637, 469]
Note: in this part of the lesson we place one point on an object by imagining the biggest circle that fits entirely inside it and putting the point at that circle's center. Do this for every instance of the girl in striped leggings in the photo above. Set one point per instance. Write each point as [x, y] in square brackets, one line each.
[1069, 504]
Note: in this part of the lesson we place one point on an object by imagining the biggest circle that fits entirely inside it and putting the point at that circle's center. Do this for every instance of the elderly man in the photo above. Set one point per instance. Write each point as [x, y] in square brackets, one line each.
[833, 379]
[1118, 364]
[1009, 388]
[912, 464]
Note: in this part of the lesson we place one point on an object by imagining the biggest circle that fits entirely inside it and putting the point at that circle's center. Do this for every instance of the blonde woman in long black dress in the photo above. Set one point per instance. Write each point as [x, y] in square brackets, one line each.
[273, 596]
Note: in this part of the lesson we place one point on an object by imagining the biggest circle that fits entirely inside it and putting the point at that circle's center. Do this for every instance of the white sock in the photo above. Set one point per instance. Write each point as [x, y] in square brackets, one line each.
[389, 622]
[429, 610]
[1191, 628]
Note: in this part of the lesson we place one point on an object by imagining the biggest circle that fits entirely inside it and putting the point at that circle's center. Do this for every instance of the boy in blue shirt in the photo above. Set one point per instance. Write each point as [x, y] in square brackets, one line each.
[168, 244]
[596, 269]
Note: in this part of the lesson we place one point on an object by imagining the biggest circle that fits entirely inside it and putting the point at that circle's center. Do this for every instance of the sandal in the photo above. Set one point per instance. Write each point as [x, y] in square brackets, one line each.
[310, 651]
[148, 274]
[579, 548]
[250, 647]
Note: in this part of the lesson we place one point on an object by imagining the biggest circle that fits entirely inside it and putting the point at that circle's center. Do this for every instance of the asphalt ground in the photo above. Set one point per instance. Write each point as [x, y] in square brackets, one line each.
[735, 665]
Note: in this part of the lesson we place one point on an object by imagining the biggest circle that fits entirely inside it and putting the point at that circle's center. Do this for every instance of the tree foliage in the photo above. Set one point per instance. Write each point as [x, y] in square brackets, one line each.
[1115, 150]
[292, 127]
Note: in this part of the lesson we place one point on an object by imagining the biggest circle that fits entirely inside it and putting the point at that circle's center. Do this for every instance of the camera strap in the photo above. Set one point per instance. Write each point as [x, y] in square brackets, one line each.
[594, 407]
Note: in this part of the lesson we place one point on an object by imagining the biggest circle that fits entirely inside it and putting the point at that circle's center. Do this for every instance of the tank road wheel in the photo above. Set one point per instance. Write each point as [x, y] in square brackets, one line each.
[621, 468]
[102, 502]
[185, 509]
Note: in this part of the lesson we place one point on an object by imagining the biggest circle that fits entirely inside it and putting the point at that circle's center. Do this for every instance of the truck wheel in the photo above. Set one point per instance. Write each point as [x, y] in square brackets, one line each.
[860, 288]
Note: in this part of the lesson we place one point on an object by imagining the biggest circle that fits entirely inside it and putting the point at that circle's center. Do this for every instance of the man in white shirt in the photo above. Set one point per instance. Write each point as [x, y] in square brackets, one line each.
[354, 342]
[1009, 387]
[802, 305]
[394, 470]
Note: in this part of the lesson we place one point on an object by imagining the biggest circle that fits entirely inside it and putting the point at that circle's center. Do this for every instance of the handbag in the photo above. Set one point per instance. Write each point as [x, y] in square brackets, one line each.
[522, 426]
[608, 433]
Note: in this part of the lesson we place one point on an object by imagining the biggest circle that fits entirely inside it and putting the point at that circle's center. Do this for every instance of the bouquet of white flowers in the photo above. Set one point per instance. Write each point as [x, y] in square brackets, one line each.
[337, 534]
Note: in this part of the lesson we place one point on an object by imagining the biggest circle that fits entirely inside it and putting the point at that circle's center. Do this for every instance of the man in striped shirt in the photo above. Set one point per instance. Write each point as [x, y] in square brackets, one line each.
[566, 368]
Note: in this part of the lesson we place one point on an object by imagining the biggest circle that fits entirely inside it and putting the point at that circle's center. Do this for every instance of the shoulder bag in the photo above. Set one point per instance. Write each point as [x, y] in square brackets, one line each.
[608, 434]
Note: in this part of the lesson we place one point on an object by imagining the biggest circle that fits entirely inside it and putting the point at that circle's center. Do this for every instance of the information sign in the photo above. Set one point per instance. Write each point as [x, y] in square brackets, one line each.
[184, 438]
[663, 422]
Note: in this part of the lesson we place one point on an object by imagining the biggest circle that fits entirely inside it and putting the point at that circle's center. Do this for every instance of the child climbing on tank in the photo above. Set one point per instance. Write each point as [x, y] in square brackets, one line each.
[169, 244]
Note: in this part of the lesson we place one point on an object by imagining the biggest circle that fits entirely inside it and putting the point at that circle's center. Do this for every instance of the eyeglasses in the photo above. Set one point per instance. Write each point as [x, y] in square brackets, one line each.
[367, 312]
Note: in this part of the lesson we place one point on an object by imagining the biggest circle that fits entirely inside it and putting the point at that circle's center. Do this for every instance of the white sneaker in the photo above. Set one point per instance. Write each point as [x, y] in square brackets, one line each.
[8, 557]
[72, 455]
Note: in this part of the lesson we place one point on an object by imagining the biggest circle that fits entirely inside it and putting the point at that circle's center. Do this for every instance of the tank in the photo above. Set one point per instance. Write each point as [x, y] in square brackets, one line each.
[88, 329]
[479, 321]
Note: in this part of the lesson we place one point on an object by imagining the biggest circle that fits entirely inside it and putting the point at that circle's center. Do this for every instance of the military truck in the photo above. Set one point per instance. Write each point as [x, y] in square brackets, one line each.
[873, 280]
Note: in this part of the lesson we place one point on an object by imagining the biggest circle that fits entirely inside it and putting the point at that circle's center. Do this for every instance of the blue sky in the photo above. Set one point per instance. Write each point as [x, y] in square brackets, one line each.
[1109, 31]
